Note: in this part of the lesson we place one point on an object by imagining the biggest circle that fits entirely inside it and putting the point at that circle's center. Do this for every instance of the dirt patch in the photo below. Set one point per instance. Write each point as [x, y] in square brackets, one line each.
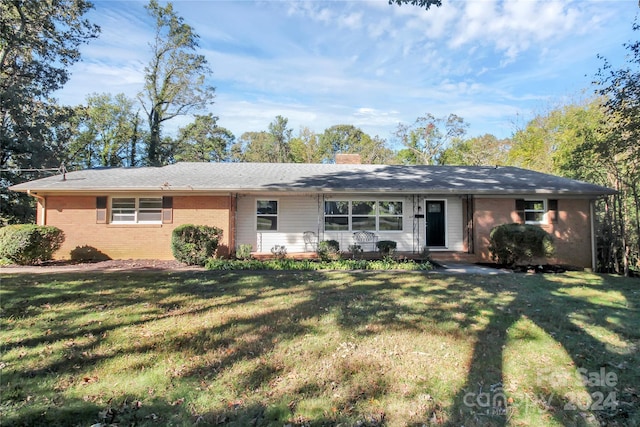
[110, 265]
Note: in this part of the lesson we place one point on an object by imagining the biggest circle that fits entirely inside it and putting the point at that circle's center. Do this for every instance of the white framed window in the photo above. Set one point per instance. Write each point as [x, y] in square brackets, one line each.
[136, 210]
[534, 211]
[363, 215]
[390, 217]
[267, 215]
[336, 215]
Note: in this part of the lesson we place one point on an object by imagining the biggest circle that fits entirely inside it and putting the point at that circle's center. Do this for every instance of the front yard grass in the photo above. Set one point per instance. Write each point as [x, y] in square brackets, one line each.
[318, 348]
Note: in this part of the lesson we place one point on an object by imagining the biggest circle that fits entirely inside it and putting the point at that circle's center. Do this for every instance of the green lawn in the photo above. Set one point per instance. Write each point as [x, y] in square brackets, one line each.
[319, 348]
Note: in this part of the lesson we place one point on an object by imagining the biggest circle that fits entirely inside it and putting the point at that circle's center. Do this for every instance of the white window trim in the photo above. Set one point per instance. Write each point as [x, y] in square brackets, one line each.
[544, 212]
[377, 215]
[277, 215]
[137, 210]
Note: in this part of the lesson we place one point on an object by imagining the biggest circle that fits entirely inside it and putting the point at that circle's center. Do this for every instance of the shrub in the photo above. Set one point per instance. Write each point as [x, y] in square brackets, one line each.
[28, 243]
[244, 251]
[194, 244]
[279, 251]
[386, 247]
[309, 265]
[328, 250]
[510, 244]
[88, 253]
[355, 250]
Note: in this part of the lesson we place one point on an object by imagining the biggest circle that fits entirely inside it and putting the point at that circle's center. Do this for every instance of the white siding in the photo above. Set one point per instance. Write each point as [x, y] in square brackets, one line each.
[455, 227]
[297, 214]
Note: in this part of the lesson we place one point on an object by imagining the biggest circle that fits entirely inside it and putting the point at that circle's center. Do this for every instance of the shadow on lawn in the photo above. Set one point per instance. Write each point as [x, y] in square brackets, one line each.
[481, 308]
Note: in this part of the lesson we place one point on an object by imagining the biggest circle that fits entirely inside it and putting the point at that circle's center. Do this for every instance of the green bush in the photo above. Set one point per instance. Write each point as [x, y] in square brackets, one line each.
[386, 247]
[195, 244]
[328, 250]
[244, 251]
[28, 243]
[511, 244]
[88, 253]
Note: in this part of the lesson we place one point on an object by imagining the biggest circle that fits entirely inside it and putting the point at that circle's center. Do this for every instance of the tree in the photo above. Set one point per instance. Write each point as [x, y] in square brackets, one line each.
[305, 148]
[485, 150]
[421, 3]
[426, 139]
[203, 141]
[108, 133]
[620, 152]
[350, 139]
[175, 77]
[40, 40]
[254, 147]
[281, 136]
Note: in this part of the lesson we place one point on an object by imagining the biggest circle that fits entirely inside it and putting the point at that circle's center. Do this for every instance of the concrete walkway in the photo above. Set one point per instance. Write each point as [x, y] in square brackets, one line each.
[455, 267]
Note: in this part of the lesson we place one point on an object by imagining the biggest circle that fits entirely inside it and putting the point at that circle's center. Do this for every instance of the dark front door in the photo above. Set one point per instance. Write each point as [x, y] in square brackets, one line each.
[435, 223]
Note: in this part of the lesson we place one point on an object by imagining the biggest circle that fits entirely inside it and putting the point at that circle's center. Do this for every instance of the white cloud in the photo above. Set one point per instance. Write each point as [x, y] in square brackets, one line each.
[352, 21]
[368, 63]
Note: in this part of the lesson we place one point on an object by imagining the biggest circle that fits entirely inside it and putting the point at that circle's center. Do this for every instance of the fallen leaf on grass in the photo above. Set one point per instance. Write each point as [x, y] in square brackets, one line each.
[89, 380]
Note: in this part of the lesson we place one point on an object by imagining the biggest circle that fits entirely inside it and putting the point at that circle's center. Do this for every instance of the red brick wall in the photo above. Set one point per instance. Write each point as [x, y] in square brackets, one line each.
[76, 216]
[572, 232]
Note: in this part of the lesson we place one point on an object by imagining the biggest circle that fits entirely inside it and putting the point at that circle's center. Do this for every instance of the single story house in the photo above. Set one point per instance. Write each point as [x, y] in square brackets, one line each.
[129, 213]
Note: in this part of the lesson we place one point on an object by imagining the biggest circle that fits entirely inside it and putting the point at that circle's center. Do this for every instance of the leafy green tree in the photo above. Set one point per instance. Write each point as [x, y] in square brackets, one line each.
[485, 150]
[619, 153]
[305, 148]
[281, 136]
[426, 139]
[108, 133]
[203, 141]
[348, 139]
[421, 3]
[254, 147]
[39, 41]
[175, 77]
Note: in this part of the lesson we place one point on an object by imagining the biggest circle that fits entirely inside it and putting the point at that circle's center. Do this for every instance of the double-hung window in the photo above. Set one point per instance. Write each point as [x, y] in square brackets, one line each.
[136, 210]
[534, 211]
[267, 215]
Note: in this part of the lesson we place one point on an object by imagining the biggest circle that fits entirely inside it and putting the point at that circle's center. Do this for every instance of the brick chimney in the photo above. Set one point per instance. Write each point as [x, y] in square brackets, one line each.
[348, 159]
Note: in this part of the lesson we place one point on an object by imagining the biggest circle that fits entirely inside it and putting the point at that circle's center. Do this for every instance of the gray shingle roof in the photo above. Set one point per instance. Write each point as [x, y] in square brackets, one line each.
[302, 177]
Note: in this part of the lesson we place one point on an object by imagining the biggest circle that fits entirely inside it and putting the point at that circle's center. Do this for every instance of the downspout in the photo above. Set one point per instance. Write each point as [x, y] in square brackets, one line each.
[43, 200]
[594, 255]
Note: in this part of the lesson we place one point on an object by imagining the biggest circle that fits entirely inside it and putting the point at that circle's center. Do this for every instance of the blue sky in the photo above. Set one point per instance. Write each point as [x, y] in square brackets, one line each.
[321, 63]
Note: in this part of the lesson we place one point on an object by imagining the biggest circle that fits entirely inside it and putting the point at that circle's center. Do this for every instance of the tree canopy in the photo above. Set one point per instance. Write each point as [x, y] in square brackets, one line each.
[175, 78]
[40, 40]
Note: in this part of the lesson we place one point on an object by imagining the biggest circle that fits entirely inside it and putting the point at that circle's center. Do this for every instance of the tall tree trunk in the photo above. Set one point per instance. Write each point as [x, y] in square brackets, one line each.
[154, 138]
[134, 141]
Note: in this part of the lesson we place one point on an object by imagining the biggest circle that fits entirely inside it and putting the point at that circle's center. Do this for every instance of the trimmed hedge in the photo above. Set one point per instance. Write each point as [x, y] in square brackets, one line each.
[510, 244]
[29, 243]
[195, 244]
